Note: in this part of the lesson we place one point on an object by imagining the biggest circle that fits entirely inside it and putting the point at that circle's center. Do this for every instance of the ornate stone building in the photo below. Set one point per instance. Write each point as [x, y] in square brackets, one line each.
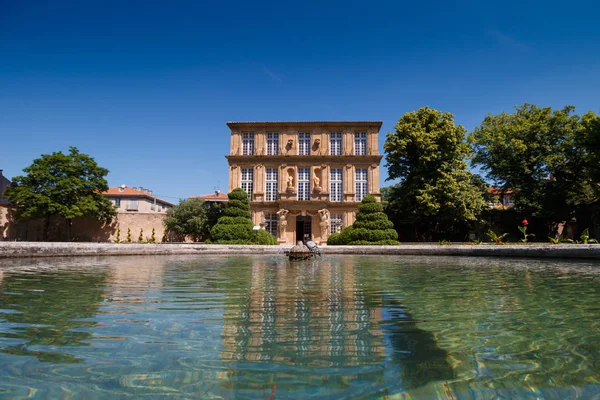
[305, 179]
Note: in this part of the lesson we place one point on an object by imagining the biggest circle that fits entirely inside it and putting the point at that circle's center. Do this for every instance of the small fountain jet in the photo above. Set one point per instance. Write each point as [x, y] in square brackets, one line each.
[313, 248]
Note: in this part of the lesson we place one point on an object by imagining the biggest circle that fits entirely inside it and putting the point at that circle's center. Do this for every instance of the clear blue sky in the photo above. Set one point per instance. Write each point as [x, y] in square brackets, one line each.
[146, 87]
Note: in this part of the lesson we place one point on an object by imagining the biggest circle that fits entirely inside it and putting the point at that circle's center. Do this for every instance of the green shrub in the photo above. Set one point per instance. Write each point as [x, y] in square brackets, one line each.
[141, 237]
[371, 227]
[374, 225]
[378, 216]
[264, 237]
[118, 238]
[235, 226]
[128, 235]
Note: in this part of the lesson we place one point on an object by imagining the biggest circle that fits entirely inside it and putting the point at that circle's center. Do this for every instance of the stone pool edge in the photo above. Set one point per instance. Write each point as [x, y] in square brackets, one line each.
[47, 249]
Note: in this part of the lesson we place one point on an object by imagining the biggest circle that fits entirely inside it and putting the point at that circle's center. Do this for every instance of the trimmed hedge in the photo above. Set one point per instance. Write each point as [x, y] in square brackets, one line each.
[371, 227]
[236, 227]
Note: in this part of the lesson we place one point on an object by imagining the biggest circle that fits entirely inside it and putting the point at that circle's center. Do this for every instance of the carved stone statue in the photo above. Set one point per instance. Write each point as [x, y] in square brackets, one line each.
[324, 216]
[317, 181]
[282, 223]
[290, 181]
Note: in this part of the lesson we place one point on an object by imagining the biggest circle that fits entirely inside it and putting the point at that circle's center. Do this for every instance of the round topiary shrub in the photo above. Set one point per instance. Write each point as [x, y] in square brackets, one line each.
[235, 225]
[371, 227]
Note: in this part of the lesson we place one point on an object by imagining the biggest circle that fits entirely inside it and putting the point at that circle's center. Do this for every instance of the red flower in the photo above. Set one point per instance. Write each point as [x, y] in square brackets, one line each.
[525, 222]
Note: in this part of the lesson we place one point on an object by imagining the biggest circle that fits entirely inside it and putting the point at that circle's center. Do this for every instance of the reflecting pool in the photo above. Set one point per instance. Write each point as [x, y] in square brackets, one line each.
[261, 327]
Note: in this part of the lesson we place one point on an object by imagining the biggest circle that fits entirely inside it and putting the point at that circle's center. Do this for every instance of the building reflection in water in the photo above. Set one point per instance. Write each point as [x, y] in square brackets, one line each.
[311, 317]
[130, 279]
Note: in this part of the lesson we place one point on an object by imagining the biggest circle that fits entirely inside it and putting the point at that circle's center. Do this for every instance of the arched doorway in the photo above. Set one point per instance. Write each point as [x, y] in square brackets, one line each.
[303, 227]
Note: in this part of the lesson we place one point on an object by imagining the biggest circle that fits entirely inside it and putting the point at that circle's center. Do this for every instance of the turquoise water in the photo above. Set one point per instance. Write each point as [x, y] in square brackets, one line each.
[342, 327]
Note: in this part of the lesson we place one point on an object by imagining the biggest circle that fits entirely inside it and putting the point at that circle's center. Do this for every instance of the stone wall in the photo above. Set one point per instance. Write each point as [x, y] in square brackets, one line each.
[44, 249]
[83, 229]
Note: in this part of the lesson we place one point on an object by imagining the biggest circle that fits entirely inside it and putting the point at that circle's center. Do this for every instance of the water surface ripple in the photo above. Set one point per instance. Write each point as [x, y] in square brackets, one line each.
[256, 327]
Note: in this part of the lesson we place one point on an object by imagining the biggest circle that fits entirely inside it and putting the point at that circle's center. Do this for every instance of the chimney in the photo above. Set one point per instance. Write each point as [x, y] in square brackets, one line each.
[0, 173]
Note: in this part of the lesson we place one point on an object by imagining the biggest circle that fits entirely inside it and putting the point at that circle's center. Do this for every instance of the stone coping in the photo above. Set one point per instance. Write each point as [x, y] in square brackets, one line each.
[62, 249]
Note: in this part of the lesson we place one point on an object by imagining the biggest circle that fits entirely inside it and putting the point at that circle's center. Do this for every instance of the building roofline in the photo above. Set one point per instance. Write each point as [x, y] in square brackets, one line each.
[237, 123]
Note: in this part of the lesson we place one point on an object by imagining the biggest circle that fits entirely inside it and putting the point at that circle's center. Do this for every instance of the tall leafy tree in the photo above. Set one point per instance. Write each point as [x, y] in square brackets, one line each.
[436, 197]
[67, 185]
[539, 153]
[590, 142]
[188, 219]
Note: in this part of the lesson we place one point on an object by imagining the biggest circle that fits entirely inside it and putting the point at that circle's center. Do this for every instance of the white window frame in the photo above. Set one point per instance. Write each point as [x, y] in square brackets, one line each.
[336, 223]
[271, 224]
[303, 183]
[272, 144]
[336, 184]
[247, 144]
[247, 181]
[304, 144]
[362, 183]
[360, 143]
[271, 184]
[335, 143]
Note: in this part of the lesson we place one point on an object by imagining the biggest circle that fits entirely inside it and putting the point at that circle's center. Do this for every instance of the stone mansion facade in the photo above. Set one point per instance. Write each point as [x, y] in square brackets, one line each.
[305, 179]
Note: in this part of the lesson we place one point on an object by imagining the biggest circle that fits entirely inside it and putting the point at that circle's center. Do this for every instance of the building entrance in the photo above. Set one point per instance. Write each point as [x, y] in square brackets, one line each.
[303, 225]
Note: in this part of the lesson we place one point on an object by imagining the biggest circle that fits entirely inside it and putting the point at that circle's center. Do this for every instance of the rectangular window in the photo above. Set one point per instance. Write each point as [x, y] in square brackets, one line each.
[303, 183]
[247, 144]
[272, 144]
[335, 144]
[360, 143]
[336, 185]
[336, 223]
[133, 205]
[271, 186]
[248, 181]
[151, 206]
[304, 144]
[271, 221]
[362, 183]
[117, 203]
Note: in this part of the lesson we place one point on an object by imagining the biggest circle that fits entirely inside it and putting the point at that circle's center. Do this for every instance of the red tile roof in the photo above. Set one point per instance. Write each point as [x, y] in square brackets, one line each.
[212, 197]
[494, 190]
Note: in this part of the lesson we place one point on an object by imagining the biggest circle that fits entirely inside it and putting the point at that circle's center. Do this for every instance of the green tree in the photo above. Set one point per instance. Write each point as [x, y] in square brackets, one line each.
[590, 143]
[436, 197]
[66, 185]
[236, 227]
[188, 219]
[371, 227]
[128, 235]
[540, 154]
[141, 237]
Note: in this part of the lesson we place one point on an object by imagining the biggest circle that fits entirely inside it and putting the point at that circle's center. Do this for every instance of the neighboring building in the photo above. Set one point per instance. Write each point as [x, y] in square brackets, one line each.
[216, 197]
[136, 200]
[505, 198]
[4, 182]
[305, 179]
[6, 222]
